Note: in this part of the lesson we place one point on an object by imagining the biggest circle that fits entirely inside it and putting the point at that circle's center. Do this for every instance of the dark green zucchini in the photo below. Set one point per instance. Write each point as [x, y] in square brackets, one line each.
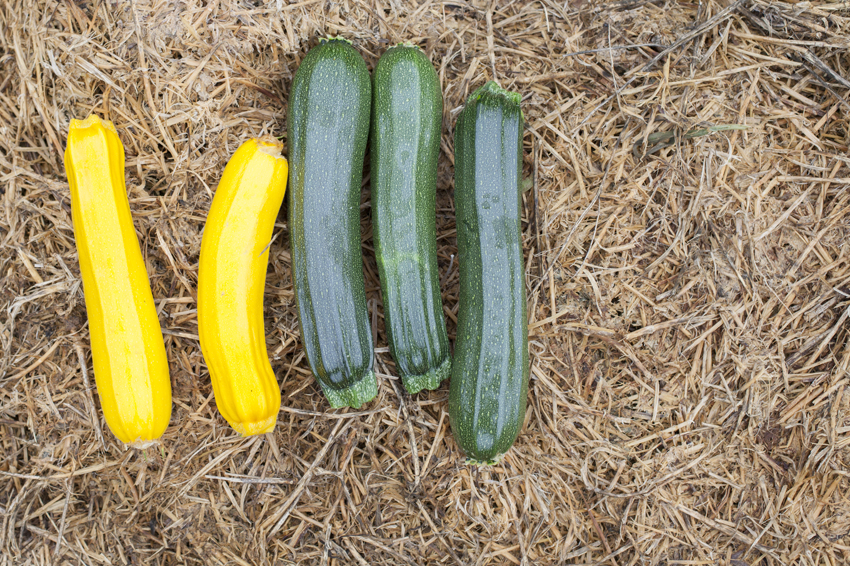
[407, 111]
[490, 369]
[328, 125]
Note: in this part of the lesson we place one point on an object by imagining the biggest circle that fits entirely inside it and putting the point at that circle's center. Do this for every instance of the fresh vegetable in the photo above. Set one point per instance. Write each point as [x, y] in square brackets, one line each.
[490, 370]
[128, 353]
[407, 109]
[328, 124]
[231, 279]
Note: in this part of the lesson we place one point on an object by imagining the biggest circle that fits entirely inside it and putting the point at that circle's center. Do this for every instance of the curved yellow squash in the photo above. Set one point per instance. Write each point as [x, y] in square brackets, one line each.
[130, 367]
[231, 279]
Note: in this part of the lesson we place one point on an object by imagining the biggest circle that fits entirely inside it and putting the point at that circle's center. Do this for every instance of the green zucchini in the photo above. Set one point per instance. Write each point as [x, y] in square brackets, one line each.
[328, 125]
[490, 370]
[407, 111]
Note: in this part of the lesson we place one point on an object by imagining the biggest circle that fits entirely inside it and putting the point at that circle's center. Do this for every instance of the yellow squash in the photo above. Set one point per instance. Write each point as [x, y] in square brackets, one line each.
[130, 366]
[231, 279]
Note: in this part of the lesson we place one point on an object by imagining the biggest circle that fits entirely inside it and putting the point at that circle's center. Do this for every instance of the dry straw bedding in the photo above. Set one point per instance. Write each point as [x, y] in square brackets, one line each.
[688, 292]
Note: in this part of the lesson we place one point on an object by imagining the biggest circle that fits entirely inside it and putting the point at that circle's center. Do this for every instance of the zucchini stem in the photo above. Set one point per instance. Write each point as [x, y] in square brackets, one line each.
[329, 39]
[355, 395]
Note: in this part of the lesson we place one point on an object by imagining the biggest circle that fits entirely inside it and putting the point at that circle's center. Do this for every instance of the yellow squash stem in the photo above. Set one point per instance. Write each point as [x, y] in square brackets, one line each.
[231, 279]
[130, 366]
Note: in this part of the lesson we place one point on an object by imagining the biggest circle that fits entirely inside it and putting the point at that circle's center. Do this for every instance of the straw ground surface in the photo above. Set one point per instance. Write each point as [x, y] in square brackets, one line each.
[688, 273]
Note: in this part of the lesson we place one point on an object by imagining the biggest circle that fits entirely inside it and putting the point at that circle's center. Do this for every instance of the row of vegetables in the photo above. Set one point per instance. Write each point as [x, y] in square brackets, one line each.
[334, 108]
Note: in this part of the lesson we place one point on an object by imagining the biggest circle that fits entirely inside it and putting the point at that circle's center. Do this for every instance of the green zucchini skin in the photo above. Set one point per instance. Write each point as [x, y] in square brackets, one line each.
[489, 385]
[407, 111]
[328, 126]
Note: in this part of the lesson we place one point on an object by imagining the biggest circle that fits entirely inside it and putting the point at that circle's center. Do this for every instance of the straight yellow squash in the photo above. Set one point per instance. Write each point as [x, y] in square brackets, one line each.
[130, 366]
[231, 279]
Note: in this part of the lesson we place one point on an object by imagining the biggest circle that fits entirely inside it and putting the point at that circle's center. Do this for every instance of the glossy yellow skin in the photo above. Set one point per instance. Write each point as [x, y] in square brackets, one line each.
[231, 279]
[130, 366]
